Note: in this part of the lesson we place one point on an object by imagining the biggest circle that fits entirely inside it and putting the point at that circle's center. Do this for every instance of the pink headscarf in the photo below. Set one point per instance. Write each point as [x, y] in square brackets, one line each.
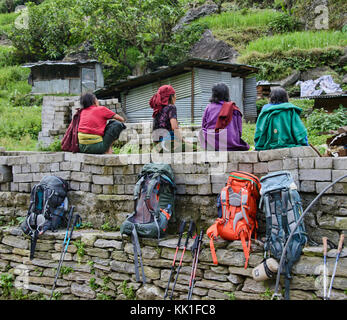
[161, 98]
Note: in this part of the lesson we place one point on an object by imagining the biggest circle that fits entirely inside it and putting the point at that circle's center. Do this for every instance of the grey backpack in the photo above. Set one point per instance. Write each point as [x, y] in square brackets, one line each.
[281, 203]
[154, 205]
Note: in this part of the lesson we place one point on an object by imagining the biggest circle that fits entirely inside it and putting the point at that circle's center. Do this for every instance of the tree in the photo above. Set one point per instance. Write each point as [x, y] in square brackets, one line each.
[125, 34]
[129, 32]
[50, 29]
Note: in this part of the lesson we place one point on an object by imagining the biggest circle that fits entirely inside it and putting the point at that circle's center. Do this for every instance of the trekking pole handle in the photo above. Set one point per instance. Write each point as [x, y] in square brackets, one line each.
[180, 231]
[201, 235]
[342, 238]
[325, 245]
[190, 231]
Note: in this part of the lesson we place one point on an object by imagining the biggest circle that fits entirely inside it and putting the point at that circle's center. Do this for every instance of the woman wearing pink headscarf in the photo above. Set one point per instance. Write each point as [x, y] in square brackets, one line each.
[165, 113]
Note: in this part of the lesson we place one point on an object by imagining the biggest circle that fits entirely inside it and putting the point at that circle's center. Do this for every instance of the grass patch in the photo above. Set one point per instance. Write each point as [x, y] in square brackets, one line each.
[7, 22]
[240, 19]
[278, 64]
[297, 40]
[6, 56]
[240, 37]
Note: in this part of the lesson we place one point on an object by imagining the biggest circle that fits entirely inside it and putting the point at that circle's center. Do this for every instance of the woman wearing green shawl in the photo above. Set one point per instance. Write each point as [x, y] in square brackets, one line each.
[279, 124]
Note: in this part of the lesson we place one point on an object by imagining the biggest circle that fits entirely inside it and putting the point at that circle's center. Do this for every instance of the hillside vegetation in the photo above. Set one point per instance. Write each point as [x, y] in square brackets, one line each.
[126, 36]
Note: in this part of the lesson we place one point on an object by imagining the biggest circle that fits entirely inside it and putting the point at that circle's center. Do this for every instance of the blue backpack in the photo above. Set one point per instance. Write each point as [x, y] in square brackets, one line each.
[281, 203]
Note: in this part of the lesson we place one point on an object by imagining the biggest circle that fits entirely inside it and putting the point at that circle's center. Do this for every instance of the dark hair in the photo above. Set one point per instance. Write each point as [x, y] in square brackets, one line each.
[171, 98]
[278, 95]
[220, 92]
[87, 100]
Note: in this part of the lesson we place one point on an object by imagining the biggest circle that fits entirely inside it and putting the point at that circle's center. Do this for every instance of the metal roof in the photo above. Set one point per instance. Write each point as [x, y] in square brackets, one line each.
[237, 70]
[326, 96]
[54, 63]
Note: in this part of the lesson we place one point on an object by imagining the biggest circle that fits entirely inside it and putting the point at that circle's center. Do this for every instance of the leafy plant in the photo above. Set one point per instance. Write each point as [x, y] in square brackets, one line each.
[322, 121]
[6, 283]
[284, 23]
[231, 295]
[107, 226]
[127, 291]
[93, 285]
[80, 249]
[66, 270]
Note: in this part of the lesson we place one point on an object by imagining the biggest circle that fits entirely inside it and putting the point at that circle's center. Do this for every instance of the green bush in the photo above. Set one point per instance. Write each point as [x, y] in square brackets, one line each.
[284, 23]
[322, 121]
[10, 5]
[6, 56]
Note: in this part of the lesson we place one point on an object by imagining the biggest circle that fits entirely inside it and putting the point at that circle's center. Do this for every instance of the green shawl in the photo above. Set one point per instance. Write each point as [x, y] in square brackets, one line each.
[280, 126]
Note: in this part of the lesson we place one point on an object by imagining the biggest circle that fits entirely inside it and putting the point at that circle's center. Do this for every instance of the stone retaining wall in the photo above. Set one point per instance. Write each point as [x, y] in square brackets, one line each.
[104, 269]
[101, 190]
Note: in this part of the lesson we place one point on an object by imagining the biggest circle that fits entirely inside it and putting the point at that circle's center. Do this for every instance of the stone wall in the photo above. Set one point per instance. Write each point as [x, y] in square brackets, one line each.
[99, 265]
[57, 113]
[101, 190]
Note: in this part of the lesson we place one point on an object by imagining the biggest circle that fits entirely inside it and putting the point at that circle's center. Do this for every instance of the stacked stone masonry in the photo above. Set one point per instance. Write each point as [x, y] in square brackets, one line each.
[57, 112]
[101, 190]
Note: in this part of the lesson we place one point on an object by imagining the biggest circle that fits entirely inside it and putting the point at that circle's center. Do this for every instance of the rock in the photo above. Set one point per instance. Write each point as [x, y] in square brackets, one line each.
[82, 291]
[15, 242]
[196, 13]
[210, 48]
[313, 74]
[253, 286]
[100, 243]
[149, 292]
[300, 295]
[343, 60]
[5, 174]
[291, 79]
[210, 284]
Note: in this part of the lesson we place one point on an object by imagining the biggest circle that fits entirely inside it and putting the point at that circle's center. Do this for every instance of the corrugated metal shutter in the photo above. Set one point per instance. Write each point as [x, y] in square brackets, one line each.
[250, 98]
[208, 78]
[137, 100]
[236, 92]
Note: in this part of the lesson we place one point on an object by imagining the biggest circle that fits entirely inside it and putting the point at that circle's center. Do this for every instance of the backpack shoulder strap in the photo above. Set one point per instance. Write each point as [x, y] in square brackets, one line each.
[137, 256]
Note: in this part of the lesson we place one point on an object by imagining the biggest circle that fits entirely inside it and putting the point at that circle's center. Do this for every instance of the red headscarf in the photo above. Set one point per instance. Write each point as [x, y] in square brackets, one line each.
[161, 98]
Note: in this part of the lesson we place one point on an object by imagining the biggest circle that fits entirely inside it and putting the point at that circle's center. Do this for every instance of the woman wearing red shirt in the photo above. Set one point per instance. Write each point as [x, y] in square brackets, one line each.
[95, 135]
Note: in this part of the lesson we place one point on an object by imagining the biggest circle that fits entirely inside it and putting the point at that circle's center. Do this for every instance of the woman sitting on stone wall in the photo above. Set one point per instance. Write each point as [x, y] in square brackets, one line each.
[165, 124]
[222, 123]
[279, 124]
[95, 135]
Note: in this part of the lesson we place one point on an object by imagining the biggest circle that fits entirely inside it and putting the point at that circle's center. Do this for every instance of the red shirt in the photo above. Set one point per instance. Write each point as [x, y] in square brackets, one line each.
[94, 119]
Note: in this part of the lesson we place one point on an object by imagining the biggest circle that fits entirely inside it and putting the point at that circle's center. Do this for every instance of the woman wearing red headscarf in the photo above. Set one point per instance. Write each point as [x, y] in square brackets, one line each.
[165, 114]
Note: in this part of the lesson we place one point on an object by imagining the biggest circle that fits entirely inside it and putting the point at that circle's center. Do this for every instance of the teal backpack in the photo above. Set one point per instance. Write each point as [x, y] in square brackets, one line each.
[154, 205]
[281, 203]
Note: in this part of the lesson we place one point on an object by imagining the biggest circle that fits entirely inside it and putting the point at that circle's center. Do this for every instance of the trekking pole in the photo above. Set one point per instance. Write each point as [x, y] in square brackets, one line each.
[180, 232]
[284, 251]
[325, 249]
[76, 221]
[195, 265]
[339, 249]
[189, 234]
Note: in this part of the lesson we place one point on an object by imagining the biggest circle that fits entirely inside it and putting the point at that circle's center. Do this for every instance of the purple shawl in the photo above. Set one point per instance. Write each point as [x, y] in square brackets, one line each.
[228, 139]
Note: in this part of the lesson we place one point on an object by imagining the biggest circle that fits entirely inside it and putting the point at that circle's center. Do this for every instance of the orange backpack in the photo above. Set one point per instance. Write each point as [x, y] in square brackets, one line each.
[237, 220]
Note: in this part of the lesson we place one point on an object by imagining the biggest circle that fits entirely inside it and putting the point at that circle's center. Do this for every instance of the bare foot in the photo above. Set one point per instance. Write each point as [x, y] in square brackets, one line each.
[109, 151]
